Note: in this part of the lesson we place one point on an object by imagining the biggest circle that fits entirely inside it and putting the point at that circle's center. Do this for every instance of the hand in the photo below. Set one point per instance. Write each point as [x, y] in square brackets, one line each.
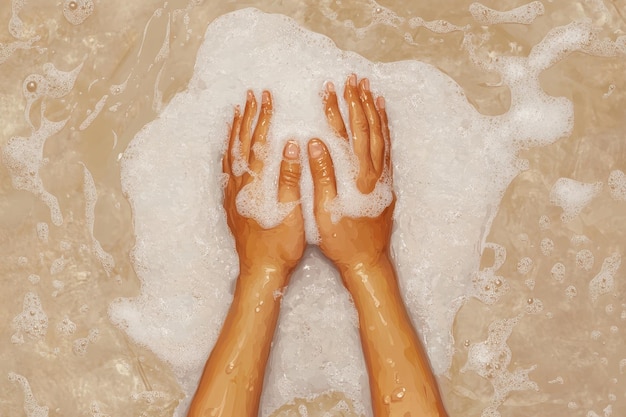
[279, 248]
[351, 242]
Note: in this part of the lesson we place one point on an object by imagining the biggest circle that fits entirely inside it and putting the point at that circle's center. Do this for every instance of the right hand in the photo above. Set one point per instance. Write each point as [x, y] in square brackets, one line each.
[353, 242]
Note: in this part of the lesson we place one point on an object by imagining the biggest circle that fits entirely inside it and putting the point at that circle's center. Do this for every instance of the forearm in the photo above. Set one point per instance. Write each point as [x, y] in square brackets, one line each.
[401, 380]
[232, 380]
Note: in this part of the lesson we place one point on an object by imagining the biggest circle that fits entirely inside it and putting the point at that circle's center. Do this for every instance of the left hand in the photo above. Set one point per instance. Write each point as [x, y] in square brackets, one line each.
[279, 248]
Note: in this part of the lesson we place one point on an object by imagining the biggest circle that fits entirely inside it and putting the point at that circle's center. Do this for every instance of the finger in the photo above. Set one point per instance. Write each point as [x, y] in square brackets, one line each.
[377, 142]
[358, 125]
[382, 111]
[323, 173]
[259, 138]
[227, 158]
[246, 125]
[289, 177]
[331, 109]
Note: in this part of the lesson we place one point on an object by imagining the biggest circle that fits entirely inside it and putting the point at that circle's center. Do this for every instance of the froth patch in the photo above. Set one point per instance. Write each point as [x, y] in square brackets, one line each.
[451, 167]
[617, 185]
[525, 14]
[573, 196]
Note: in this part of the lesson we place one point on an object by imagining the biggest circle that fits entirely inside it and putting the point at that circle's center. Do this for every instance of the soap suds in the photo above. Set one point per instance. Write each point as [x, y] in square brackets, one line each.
[31, 407]
[525, 14]
[184, 254]
[573, 196]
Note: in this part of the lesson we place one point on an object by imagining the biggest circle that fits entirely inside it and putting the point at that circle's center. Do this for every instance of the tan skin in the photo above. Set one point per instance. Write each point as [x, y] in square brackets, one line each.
[401, 381]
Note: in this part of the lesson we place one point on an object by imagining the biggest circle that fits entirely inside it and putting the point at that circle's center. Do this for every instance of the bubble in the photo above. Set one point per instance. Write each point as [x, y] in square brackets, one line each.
[558, 272]
[77, 11]
[604, 282]
[42, 232]
[58, 265]
[524, 265]
[525, 14]
[398, 394]
[614, 329]
[573, 196]
[571, 292]
[595, 335]
[534, 306]
[584, 259]
[547, 246]
[32, 321]
[617, 185]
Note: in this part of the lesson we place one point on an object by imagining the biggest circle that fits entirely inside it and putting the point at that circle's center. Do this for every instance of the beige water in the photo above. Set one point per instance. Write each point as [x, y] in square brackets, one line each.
[77, 363]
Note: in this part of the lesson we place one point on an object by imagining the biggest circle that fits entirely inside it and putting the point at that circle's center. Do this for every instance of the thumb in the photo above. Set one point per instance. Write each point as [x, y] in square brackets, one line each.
[289, 177]
[323, 173]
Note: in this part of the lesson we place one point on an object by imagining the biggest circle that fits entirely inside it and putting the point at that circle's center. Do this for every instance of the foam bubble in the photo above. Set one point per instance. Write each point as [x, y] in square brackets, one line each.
[31, 407]
[572, 196]
[604, 282]
[42, 231]
[23, 157]
[585, 259]
[544, 222]
[66, 326]
[77, 11]
[558, 271]
[32, 321]
[469, 155]
[491, 359]
[524, 265]
[525, 14]
[617, 185]
[547, 246]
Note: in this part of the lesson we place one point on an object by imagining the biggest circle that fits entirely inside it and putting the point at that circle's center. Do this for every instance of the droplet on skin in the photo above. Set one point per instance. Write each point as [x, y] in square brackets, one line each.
[467, 343]
[72, 5]
[398, 394]
[31, 86]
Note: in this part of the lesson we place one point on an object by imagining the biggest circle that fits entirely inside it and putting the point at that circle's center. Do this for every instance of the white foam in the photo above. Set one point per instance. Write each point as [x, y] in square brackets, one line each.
[604, 282]
[617, 185]
[77, 11]
[451, 167]
[525, 14]
[31, 407]
[573, 196]
[32, 321]
[585, 259]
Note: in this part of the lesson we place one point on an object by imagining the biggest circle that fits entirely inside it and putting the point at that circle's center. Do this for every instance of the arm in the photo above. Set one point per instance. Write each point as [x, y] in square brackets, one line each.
[232, 380]
[401, 381]
[233, 376]
[400, 377]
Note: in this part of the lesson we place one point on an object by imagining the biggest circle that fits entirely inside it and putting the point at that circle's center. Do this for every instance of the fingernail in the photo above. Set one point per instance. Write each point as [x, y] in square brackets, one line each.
[315, 148]
[366, 84]
[291, 150]
[330, 87]
[250, 95]
[352, 80]
[265, 98]
[381, 103]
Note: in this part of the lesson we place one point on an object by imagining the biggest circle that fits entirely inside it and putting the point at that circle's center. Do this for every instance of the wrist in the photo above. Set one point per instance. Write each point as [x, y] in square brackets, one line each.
[262, 278]
[368, 275]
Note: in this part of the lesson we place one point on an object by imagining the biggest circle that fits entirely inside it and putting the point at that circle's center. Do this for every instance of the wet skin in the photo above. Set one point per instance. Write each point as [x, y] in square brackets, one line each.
[401, 381]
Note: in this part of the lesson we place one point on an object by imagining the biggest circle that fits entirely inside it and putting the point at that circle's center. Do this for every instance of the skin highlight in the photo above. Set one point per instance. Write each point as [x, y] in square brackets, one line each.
[401, 381]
